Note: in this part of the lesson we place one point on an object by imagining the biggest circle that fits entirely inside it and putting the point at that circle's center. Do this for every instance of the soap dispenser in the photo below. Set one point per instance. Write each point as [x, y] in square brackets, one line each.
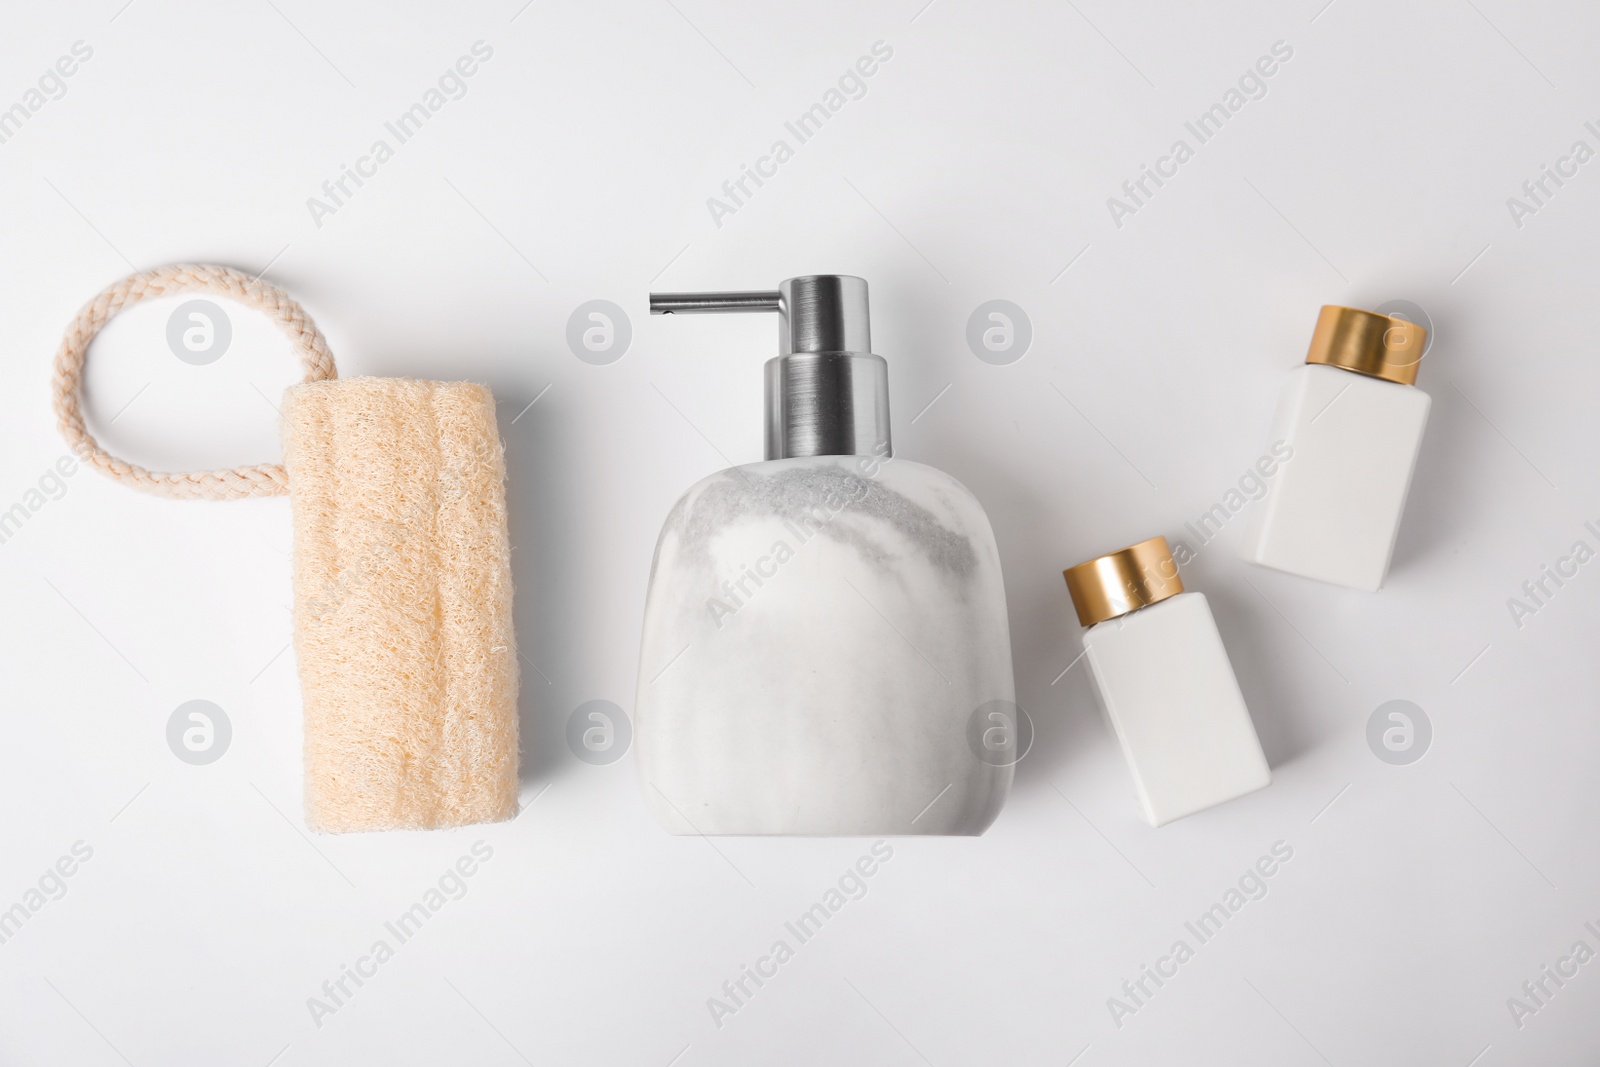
[1349, 426]
[823, 628]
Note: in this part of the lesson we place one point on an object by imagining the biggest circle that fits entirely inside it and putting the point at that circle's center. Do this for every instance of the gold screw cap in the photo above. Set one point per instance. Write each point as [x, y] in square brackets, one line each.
[1368, 343]
[1123, 581]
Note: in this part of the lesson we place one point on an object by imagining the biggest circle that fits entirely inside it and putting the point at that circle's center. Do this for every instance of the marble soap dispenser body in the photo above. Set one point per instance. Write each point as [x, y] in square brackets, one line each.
[822, 629]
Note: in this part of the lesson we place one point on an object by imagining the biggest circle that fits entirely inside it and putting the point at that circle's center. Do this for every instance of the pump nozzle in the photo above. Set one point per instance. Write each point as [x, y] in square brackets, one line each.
[827, 394]
[689, 303]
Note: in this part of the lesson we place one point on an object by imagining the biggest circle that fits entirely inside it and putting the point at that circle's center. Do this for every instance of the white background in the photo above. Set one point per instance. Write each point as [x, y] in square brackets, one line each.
[977, 166]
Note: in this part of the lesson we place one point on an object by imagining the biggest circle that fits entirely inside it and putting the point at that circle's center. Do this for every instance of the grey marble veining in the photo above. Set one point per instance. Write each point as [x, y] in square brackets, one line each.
[819, 634]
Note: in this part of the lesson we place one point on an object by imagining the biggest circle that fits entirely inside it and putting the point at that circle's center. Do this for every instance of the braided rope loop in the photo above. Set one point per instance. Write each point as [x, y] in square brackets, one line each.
[263, 479]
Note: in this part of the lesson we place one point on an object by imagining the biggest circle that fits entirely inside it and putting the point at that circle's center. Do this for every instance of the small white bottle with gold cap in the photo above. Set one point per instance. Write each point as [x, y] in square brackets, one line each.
[1165, 683]
[1352, 420]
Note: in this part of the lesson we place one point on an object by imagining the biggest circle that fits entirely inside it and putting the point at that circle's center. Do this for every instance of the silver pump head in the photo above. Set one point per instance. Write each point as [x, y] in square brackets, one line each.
[827, 394]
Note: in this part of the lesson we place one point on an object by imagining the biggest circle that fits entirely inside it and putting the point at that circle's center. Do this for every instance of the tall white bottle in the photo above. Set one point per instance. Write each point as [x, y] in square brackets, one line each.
[1164, 683]
[1352, 422]
[823, 629]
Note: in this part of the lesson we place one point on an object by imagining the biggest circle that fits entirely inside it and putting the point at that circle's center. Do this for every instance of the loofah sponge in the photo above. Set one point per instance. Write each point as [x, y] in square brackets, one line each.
[402, 603]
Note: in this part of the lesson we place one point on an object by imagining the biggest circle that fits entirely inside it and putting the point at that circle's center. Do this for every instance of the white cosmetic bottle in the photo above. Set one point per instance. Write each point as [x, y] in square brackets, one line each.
[823, 629]
[1164, 683]
[1352, 422]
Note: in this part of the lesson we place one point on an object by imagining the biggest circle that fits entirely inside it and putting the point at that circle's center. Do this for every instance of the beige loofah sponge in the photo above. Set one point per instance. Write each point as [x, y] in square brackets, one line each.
[402, 603]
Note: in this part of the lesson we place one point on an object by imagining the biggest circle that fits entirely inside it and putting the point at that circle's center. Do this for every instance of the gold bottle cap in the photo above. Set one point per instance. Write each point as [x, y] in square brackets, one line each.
[1368, 343]
[1123, 581]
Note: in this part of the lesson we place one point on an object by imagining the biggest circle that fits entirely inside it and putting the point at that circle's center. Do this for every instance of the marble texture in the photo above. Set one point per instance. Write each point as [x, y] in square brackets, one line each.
[818, 635]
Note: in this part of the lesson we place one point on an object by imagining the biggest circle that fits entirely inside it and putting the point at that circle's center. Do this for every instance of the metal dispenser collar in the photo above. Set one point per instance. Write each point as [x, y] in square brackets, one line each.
[827, 394]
